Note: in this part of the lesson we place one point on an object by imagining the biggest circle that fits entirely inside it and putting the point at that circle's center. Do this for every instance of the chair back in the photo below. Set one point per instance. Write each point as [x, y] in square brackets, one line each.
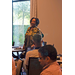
[19, 67]
[34, 67]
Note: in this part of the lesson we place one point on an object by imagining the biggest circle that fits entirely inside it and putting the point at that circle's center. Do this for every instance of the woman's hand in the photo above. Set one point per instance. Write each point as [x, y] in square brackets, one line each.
[32, 46]
[24, 46]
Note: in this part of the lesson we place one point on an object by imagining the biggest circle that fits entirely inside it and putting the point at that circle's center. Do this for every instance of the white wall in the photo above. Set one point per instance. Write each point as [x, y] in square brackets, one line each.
[50, 16]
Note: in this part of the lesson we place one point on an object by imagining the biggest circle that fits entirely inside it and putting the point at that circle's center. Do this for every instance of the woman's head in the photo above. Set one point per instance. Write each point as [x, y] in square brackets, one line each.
[34, 22]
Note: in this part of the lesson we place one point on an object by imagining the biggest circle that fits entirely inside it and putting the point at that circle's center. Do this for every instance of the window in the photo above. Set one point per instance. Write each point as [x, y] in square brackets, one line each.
[20, 21]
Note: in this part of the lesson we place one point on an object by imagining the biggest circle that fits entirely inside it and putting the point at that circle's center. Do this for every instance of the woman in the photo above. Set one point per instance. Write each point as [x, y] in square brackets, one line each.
[28, 43]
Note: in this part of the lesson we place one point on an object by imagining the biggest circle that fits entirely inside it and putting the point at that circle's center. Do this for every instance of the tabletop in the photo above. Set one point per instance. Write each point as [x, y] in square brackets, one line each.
[15, 46]
[17, 50]
[59, 60]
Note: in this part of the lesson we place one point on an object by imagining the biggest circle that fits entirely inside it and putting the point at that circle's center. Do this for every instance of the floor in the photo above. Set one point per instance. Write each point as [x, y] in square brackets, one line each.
[23, 73]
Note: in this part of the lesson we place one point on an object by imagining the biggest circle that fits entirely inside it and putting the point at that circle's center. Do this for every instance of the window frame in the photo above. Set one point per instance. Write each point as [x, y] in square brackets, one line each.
[19, 0]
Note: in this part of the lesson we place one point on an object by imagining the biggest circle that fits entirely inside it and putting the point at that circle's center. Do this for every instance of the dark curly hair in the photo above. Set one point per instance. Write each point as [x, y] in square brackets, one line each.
[37, 20]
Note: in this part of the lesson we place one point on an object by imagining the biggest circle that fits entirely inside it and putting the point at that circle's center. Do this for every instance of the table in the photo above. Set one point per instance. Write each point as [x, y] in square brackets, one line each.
[59, 61]
[15, 46]
[17, 50]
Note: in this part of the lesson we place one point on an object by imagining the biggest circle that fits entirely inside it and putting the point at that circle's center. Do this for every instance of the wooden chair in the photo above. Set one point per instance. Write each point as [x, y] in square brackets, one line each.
[34, 67]
[19, 67]
[45, 43]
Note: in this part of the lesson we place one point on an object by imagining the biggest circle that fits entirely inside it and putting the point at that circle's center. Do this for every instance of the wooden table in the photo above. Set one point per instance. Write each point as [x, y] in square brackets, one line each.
[17, 50]
[59, 61]
[15, 46]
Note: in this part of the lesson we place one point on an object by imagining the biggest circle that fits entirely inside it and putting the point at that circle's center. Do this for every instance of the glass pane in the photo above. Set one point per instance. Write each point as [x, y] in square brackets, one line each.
[21, 21]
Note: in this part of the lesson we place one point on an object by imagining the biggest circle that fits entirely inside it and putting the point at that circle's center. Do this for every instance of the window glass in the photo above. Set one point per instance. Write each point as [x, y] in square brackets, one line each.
[21, 21]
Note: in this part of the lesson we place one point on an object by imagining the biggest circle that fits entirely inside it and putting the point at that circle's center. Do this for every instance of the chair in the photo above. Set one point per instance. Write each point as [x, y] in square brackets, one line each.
[34, 67]
[19, 67]
[45, 43]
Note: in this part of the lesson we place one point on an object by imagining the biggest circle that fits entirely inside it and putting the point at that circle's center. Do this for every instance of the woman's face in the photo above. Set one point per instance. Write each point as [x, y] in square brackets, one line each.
[33, 23]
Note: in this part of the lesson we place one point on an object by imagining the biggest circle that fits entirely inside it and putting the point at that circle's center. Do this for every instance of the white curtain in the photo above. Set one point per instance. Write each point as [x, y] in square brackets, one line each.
[33, 8]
